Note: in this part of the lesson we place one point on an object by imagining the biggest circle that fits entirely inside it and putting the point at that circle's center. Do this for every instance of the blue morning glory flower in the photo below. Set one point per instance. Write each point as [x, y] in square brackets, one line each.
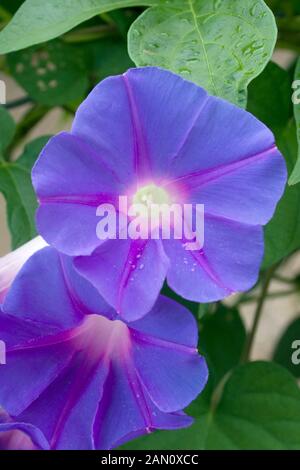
[150, 135]
[79, 375]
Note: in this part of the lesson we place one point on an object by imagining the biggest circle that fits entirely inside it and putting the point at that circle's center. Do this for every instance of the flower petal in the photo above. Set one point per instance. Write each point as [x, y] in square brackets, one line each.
[125, 275]
[104, 121]
[167, 337]
[98, 376]
[228, 263]
[11, 263]
[20, 436]
[166, 107]
[74, 397]
[68, 202]
[126, 412]
[223, 134]
[95, 373]
[251, 194]
[90, 176]
[169, 321]
[47, 281]
[33, 367]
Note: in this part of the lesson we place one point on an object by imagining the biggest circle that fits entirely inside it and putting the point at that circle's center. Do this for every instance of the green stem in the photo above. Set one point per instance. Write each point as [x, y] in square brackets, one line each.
[18, 102]
[91, 33]
[107, 18]
[31, 118]
[272, 295]
[218, 392]
[259, 309]
[284, 280]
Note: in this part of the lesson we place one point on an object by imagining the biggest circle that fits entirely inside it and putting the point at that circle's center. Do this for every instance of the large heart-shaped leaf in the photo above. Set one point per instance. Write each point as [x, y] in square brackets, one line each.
[110, 57]
[269, 100]
[222, 338]
[282, 233]
[259, 409]
[38, 21]
[220, 45]
[285, 349]
[295, 176]
[15, 184]
[52, 74]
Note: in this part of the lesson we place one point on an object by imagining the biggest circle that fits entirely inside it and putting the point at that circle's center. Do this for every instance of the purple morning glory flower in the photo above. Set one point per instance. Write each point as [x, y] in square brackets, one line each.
[81, 376]
[151, 135]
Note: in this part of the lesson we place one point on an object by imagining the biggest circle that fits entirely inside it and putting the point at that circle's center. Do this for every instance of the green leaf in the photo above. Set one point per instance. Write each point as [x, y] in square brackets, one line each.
[220, 45]
[38, 21]
[222, 338]
[52, 74]
[295, 176]
[15, 184]
[203, 310]
[11, 5]
[8, 128]
[123, 19]
[282, 233]
[269, 97]
[110, 58]
[284, 349]
[259, 409]
[284, 7]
